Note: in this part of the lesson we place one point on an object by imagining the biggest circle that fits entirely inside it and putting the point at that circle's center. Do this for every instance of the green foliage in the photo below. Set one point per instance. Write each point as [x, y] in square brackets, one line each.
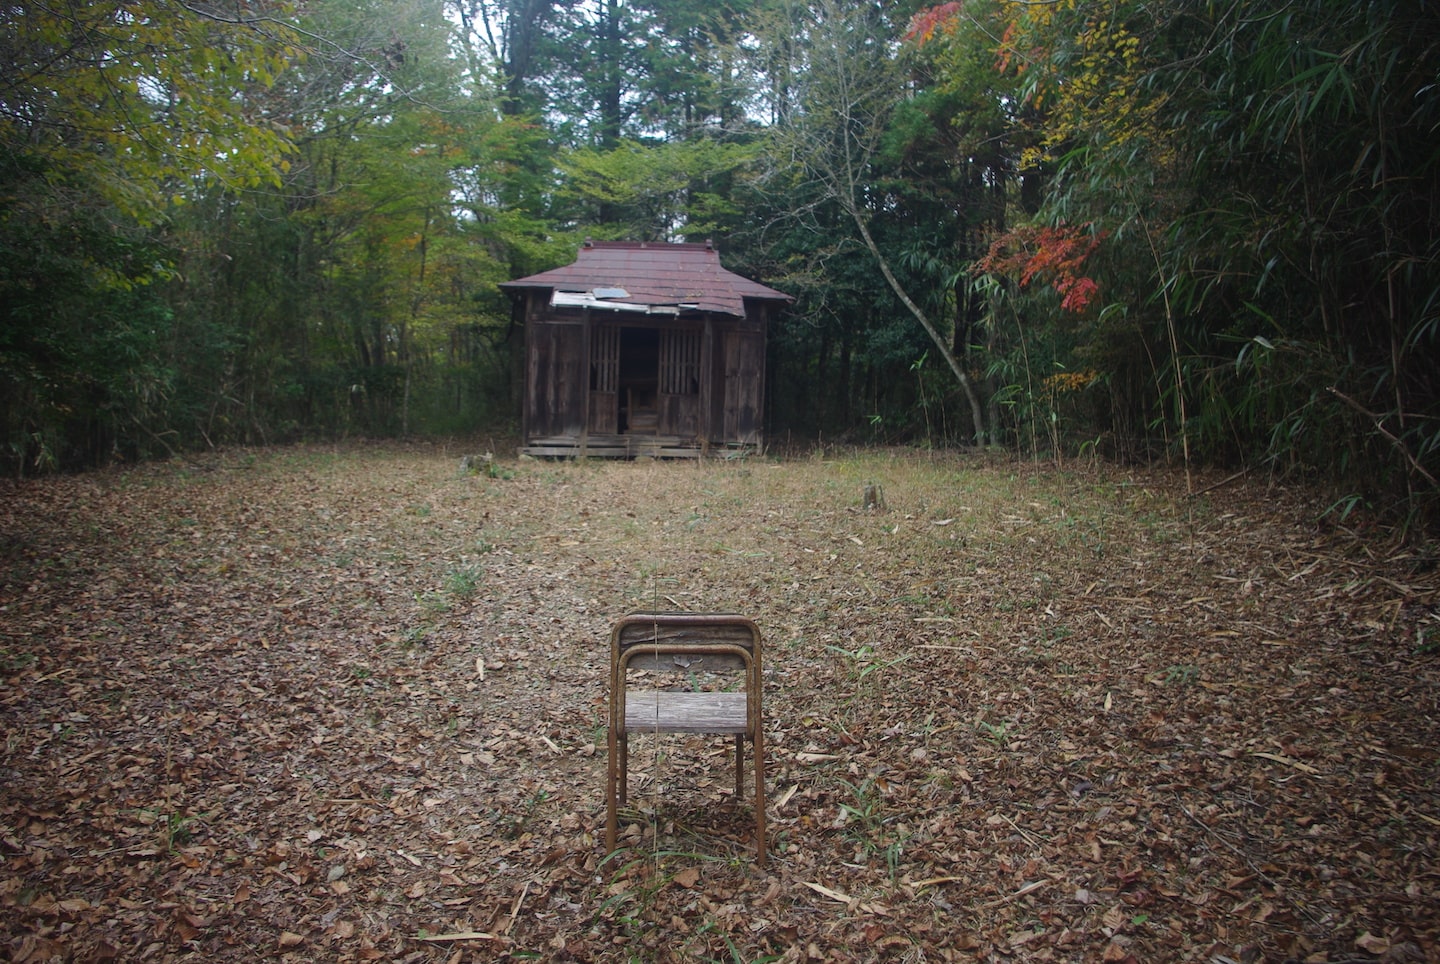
[1145, 230]
[84, 364]
[1268, 288]
[649, 189]
[464, 581]
[1314, 240]
[868, 826]
[1179, 675]
[129, 99]
[861, 663]
[91, 162]
[336, 274]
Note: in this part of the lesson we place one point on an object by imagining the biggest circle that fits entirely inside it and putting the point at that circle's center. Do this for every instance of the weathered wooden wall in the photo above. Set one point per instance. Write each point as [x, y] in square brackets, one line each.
[708, 383]
[555, 395]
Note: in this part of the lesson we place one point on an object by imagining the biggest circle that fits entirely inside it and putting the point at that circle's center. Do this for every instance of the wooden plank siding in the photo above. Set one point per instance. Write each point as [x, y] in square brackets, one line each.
[556, 382]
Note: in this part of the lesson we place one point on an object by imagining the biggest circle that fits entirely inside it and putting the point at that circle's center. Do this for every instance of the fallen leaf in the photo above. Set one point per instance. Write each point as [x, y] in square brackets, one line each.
[932, 881]
[1371, 944]
[1277, 758]
[457, 936]
[824, 891]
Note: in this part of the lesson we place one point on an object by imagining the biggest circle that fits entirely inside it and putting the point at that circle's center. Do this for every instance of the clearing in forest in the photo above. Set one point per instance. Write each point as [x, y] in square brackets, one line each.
[348, 704]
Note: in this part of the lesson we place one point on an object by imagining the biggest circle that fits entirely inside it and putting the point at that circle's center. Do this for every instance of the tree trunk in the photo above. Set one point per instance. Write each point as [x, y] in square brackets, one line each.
[967, 384]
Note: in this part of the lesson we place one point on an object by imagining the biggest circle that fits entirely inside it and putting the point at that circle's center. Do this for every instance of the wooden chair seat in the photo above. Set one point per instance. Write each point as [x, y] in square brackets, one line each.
[657, 710]
[688, 643]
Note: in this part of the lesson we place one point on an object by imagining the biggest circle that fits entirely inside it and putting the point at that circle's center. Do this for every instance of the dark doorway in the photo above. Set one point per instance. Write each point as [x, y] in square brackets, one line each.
[639, 381]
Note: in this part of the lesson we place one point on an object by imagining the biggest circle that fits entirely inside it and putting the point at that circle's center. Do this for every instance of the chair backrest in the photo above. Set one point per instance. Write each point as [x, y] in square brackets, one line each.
[680, 642]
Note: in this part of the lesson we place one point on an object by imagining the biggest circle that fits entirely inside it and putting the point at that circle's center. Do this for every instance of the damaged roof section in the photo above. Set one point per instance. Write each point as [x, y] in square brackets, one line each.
[641, 276]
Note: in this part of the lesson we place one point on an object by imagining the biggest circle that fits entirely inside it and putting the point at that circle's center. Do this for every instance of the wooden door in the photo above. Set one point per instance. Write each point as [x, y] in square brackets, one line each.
[744, 366]
[680, 382]
[555, 396]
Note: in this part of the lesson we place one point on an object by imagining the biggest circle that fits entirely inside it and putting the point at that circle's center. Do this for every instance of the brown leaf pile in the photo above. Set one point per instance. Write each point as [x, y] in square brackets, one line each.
[348, 705]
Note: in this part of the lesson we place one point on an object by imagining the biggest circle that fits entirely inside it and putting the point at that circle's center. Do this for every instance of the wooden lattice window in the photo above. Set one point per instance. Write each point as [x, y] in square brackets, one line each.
[680, 362]
[605, 359]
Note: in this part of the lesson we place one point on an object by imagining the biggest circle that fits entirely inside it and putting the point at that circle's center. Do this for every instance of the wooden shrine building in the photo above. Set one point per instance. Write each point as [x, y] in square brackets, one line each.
[643, 348]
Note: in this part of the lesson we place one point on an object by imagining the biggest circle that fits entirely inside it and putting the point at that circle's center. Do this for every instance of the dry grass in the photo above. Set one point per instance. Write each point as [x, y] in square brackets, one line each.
[326, 703]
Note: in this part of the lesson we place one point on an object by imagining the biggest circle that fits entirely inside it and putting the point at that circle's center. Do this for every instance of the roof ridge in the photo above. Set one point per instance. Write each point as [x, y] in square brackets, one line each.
[706, 245]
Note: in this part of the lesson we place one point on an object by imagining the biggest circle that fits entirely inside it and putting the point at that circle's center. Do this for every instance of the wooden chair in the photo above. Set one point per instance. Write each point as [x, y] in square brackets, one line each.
[685, 642]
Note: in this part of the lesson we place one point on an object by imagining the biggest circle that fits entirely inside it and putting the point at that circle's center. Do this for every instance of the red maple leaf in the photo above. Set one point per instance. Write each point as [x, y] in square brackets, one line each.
[1053, 253]
[924, 24]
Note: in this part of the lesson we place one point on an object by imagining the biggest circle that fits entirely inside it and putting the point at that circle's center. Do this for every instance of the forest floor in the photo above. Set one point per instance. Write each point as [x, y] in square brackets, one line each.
[348, 704]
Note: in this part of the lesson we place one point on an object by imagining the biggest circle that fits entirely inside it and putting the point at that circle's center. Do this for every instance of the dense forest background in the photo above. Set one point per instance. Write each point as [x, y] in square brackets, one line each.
[1179, 229]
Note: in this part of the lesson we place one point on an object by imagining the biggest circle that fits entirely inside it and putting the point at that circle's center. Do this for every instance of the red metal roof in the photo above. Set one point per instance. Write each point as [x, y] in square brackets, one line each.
[653, 274]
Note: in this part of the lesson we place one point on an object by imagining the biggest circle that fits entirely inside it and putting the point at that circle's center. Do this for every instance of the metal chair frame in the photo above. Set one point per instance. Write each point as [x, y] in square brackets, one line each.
[731, 640]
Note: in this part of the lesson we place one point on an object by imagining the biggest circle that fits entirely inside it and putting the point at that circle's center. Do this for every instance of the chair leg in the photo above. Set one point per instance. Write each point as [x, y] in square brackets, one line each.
[612, 817]
[762, 849]
[624, 739]
[739, 767]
